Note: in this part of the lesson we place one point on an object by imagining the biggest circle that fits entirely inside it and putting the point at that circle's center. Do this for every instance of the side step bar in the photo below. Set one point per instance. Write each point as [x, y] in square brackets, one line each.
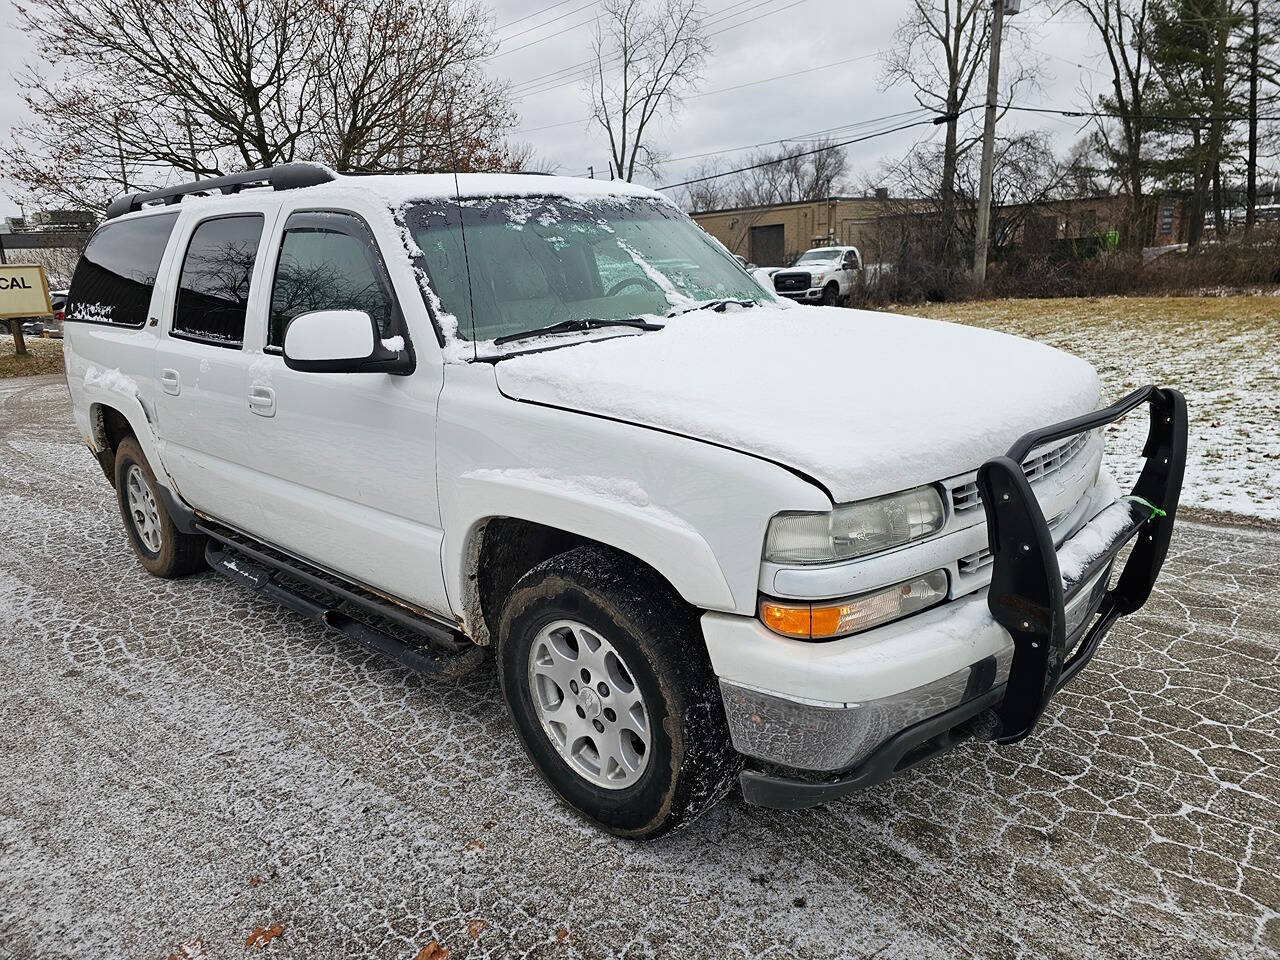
[259, 574]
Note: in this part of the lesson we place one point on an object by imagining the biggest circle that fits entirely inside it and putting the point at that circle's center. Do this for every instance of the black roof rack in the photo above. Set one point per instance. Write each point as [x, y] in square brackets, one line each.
[288, 176]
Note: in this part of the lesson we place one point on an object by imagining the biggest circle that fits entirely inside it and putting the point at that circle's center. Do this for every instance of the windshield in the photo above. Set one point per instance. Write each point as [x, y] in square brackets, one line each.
[540, 261]
[821, 254]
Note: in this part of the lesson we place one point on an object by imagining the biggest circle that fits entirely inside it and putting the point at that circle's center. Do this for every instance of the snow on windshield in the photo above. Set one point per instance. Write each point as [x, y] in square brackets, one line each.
[504, 266]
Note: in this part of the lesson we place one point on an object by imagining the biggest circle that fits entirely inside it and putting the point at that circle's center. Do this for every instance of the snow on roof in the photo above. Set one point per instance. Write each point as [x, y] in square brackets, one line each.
[398, 189]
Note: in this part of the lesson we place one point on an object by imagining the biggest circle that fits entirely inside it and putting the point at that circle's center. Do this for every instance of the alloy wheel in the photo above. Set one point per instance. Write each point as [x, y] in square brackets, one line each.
[589, 705]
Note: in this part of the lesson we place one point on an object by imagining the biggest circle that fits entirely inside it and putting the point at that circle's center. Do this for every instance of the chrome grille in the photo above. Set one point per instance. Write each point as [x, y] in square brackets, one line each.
[976, 561]
[965, 496]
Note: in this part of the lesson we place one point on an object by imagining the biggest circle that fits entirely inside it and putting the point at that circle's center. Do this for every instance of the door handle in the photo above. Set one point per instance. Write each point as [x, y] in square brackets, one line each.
[170, 382]
[262, 401]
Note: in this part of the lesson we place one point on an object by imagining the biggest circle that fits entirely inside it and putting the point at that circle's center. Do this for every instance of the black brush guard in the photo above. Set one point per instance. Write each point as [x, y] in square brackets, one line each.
[1028, 596]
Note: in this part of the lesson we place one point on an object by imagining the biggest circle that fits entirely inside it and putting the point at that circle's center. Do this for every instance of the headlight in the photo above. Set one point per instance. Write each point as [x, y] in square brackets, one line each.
[816, 278]
[854, 529]
[829, 619]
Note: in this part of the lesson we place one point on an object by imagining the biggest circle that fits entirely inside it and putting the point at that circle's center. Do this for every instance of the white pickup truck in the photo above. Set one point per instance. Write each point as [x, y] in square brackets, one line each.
[709, 537]
[824, 275]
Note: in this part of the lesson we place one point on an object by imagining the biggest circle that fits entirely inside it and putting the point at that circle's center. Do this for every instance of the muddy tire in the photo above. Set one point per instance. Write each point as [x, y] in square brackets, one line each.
[161, 548]
[607, 678]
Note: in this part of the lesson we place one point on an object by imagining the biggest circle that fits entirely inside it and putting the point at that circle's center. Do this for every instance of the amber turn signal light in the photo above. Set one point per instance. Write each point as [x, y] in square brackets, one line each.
[839, 618]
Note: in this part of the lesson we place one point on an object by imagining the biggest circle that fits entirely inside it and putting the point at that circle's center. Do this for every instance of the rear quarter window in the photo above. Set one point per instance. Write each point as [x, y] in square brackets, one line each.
[116, 274]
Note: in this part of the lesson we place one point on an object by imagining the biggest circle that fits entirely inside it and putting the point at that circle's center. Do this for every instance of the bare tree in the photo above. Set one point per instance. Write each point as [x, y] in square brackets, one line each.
[940, 51]
[199, 86]
[647, 56]
[714, 189]
[400, 86]
[210, 86]
[791, 172]
[1124, 27]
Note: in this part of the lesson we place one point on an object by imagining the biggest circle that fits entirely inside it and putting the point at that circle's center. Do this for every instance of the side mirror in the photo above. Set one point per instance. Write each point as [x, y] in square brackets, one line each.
[341, 341]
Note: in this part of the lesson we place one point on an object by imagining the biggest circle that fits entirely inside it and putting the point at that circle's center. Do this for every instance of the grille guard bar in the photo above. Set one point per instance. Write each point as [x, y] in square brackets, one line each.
[1027, 594]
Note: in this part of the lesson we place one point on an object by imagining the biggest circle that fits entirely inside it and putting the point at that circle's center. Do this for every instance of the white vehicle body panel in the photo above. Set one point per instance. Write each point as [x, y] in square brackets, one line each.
[693, 511]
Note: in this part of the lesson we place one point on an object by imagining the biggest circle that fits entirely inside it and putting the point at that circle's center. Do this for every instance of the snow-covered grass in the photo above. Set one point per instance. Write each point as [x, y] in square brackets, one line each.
[1223, 353]
[43, 356]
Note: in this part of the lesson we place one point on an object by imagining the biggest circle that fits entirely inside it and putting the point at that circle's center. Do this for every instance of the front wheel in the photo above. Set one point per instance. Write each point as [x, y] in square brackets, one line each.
[831, 295]
[607, 678]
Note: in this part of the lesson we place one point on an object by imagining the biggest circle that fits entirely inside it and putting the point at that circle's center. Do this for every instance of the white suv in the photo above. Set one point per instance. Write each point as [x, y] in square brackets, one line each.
[825, 275]
[710, 539]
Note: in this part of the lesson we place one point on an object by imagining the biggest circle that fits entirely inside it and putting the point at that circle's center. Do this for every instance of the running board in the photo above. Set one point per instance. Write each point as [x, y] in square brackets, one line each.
[257, 574]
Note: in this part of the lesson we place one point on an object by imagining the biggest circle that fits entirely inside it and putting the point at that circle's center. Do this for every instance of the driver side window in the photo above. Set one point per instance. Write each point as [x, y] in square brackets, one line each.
[329, 261]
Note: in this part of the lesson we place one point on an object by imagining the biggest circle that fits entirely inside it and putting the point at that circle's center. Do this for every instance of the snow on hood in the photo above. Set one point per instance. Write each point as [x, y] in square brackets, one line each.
[866, 403]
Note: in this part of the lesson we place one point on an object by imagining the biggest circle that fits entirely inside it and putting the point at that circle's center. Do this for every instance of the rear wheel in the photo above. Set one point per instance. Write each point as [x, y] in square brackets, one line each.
[606, 676]
[161, 548]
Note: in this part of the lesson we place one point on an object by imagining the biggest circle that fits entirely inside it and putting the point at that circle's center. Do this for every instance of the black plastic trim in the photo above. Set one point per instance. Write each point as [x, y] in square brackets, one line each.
[288, 176]
[1027, 595]
[435, 628]
[259, 576]
[183, 517]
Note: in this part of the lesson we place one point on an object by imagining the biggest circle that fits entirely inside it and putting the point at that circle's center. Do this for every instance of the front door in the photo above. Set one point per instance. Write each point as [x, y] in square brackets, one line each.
[345, 462]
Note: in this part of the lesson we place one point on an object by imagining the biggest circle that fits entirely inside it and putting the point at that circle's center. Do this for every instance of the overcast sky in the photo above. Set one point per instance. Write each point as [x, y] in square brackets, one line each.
[739, 102]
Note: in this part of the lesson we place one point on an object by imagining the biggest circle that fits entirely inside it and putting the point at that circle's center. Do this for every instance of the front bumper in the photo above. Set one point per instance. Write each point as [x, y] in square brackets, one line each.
[994, 660]
[813, 293]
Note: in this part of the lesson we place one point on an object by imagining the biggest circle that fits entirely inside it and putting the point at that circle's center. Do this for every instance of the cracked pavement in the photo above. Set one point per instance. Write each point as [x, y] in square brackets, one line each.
[182, 763]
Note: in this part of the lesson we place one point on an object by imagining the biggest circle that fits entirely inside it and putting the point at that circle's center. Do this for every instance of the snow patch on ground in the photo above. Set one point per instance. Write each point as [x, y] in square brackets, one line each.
[1223, 353]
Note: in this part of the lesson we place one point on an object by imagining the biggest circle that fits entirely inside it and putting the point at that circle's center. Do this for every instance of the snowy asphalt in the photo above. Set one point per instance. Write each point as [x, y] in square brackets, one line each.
[182, 764]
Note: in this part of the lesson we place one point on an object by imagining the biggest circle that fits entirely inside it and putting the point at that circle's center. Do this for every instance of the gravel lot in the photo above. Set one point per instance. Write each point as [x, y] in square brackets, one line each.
[181, 765]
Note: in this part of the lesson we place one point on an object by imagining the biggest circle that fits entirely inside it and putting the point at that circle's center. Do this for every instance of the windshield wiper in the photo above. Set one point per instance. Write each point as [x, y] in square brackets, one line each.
[578, 323]
[716, 305]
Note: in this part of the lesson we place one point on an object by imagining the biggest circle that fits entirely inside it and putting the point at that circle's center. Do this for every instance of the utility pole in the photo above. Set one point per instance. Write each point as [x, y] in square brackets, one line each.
[981, 240]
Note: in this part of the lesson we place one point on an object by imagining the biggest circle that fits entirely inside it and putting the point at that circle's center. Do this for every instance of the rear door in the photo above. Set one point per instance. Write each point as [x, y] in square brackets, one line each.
[201, 365]
[344, 463]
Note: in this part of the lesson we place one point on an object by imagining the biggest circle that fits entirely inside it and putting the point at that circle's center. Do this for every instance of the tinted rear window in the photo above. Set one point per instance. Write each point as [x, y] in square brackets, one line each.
[213, 293]
[117, 271]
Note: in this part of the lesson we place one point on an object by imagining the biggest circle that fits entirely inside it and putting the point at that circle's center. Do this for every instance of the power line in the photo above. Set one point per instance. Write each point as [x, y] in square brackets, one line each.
[546, 23]
[529, 16]
[1104, 114]
[941, 118]
[801, 137]
[578, 71]
[737, 86]
[715, 16]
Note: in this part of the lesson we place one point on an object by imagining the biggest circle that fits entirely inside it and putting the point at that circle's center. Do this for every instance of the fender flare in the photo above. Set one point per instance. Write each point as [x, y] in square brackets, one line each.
[576, 505]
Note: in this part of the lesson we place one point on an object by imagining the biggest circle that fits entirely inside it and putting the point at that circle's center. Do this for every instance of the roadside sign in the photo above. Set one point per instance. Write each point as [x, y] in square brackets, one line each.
[24, 291]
